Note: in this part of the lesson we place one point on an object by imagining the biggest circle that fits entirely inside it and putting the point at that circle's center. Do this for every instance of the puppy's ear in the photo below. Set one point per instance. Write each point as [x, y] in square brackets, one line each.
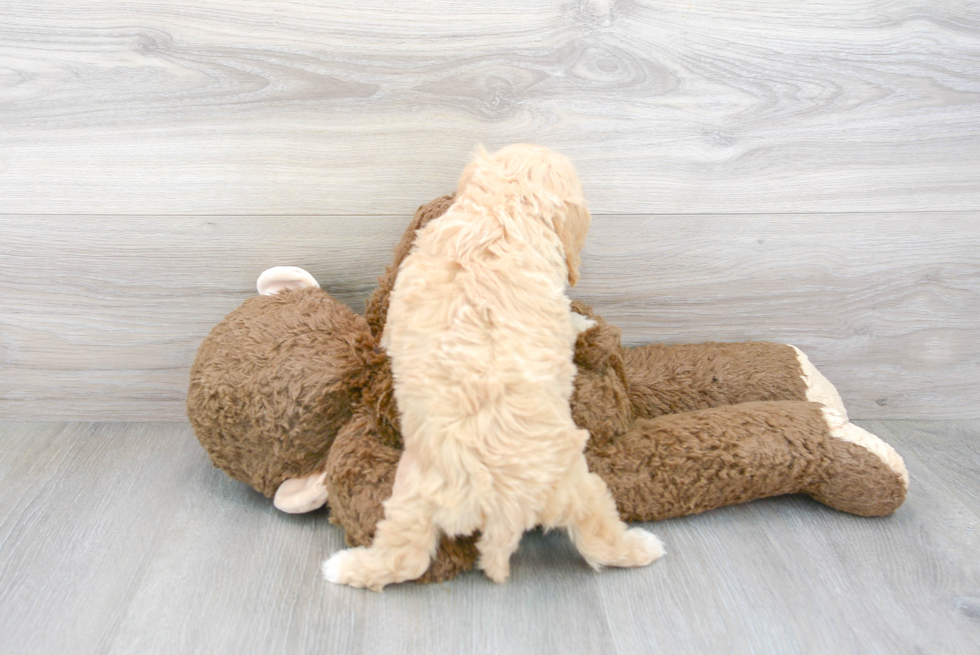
[571, 229]
[574, 261]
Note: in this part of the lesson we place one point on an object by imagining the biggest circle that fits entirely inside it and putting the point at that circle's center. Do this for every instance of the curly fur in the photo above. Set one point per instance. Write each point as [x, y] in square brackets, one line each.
[481, 338]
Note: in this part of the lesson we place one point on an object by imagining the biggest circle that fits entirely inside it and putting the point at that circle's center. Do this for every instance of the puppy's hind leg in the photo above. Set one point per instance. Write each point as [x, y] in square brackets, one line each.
[497, 543]
[598, 533]
[404, 542]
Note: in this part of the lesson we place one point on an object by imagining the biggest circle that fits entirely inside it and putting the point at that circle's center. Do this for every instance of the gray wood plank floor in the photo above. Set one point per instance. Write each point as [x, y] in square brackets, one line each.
[120, 538]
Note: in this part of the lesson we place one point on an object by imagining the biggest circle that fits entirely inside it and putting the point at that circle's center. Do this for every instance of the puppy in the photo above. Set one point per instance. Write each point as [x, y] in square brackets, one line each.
[481, 337]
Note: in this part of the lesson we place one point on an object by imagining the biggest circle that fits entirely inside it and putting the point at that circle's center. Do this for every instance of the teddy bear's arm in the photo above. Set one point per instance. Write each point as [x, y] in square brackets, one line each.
[360, 473]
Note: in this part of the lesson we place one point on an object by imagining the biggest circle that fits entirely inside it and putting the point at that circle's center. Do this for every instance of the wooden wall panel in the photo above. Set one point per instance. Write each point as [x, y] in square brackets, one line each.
[100, 316]
[887, 306]
[224, 107]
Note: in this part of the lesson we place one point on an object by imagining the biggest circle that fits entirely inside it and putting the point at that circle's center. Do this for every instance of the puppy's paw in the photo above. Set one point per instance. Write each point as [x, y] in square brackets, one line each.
[352, 567]
[357, 567]
[644, 547]
[339, 568]
[496, 568]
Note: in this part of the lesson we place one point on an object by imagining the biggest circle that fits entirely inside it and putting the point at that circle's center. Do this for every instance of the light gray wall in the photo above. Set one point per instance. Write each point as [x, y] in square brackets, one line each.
[798, 172]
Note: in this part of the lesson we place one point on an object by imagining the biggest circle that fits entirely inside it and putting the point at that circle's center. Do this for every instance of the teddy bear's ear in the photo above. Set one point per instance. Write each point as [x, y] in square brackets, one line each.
[280, 278]
[301, 495]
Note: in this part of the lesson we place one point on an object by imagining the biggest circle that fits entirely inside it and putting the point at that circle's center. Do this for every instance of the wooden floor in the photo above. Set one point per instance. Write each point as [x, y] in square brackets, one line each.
[120, 538]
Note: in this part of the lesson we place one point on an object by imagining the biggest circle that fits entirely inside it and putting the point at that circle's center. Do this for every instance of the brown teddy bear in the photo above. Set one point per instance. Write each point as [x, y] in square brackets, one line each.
[291, 394]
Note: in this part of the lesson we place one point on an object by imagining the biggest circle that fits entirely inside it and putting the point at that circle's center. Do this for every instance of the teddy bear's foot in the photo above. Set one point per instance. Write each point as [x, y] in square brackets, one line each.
[818, 388]
[865, 475]
[302, 495]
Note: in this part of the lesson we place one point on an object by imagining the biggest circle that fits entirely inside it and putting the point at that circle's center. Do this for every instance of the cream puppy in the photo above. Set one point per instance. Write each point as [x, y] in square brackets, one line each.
[481, 337]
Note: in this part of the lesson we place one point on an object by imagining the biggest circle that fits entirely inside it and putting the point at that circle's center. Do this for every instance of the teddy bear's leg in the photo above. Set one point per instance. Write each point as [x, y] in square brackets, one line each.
[691, 462]
[686, 377]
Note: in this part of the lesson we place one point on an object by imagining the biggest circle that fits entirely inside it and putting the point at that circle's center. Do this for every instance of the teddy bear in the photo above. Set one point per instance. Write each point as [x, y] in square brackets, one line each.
[292, 394]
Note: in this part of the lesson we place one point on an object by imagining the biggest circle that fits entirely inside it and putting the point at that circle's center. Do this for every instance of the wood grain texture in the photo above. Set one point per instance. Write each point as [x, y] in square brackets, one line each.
[887, 306]
[105, 315]
[101, 317]
[120, 538]
[85, 509]
[332, 108]
[846, 581]
[953, 448]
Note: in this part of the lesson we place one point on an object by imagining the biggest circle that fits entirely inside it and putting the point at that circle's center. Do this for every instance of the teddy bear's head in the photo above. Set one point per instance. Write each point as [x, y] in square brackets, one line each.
[275, 381]
[278, 378]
